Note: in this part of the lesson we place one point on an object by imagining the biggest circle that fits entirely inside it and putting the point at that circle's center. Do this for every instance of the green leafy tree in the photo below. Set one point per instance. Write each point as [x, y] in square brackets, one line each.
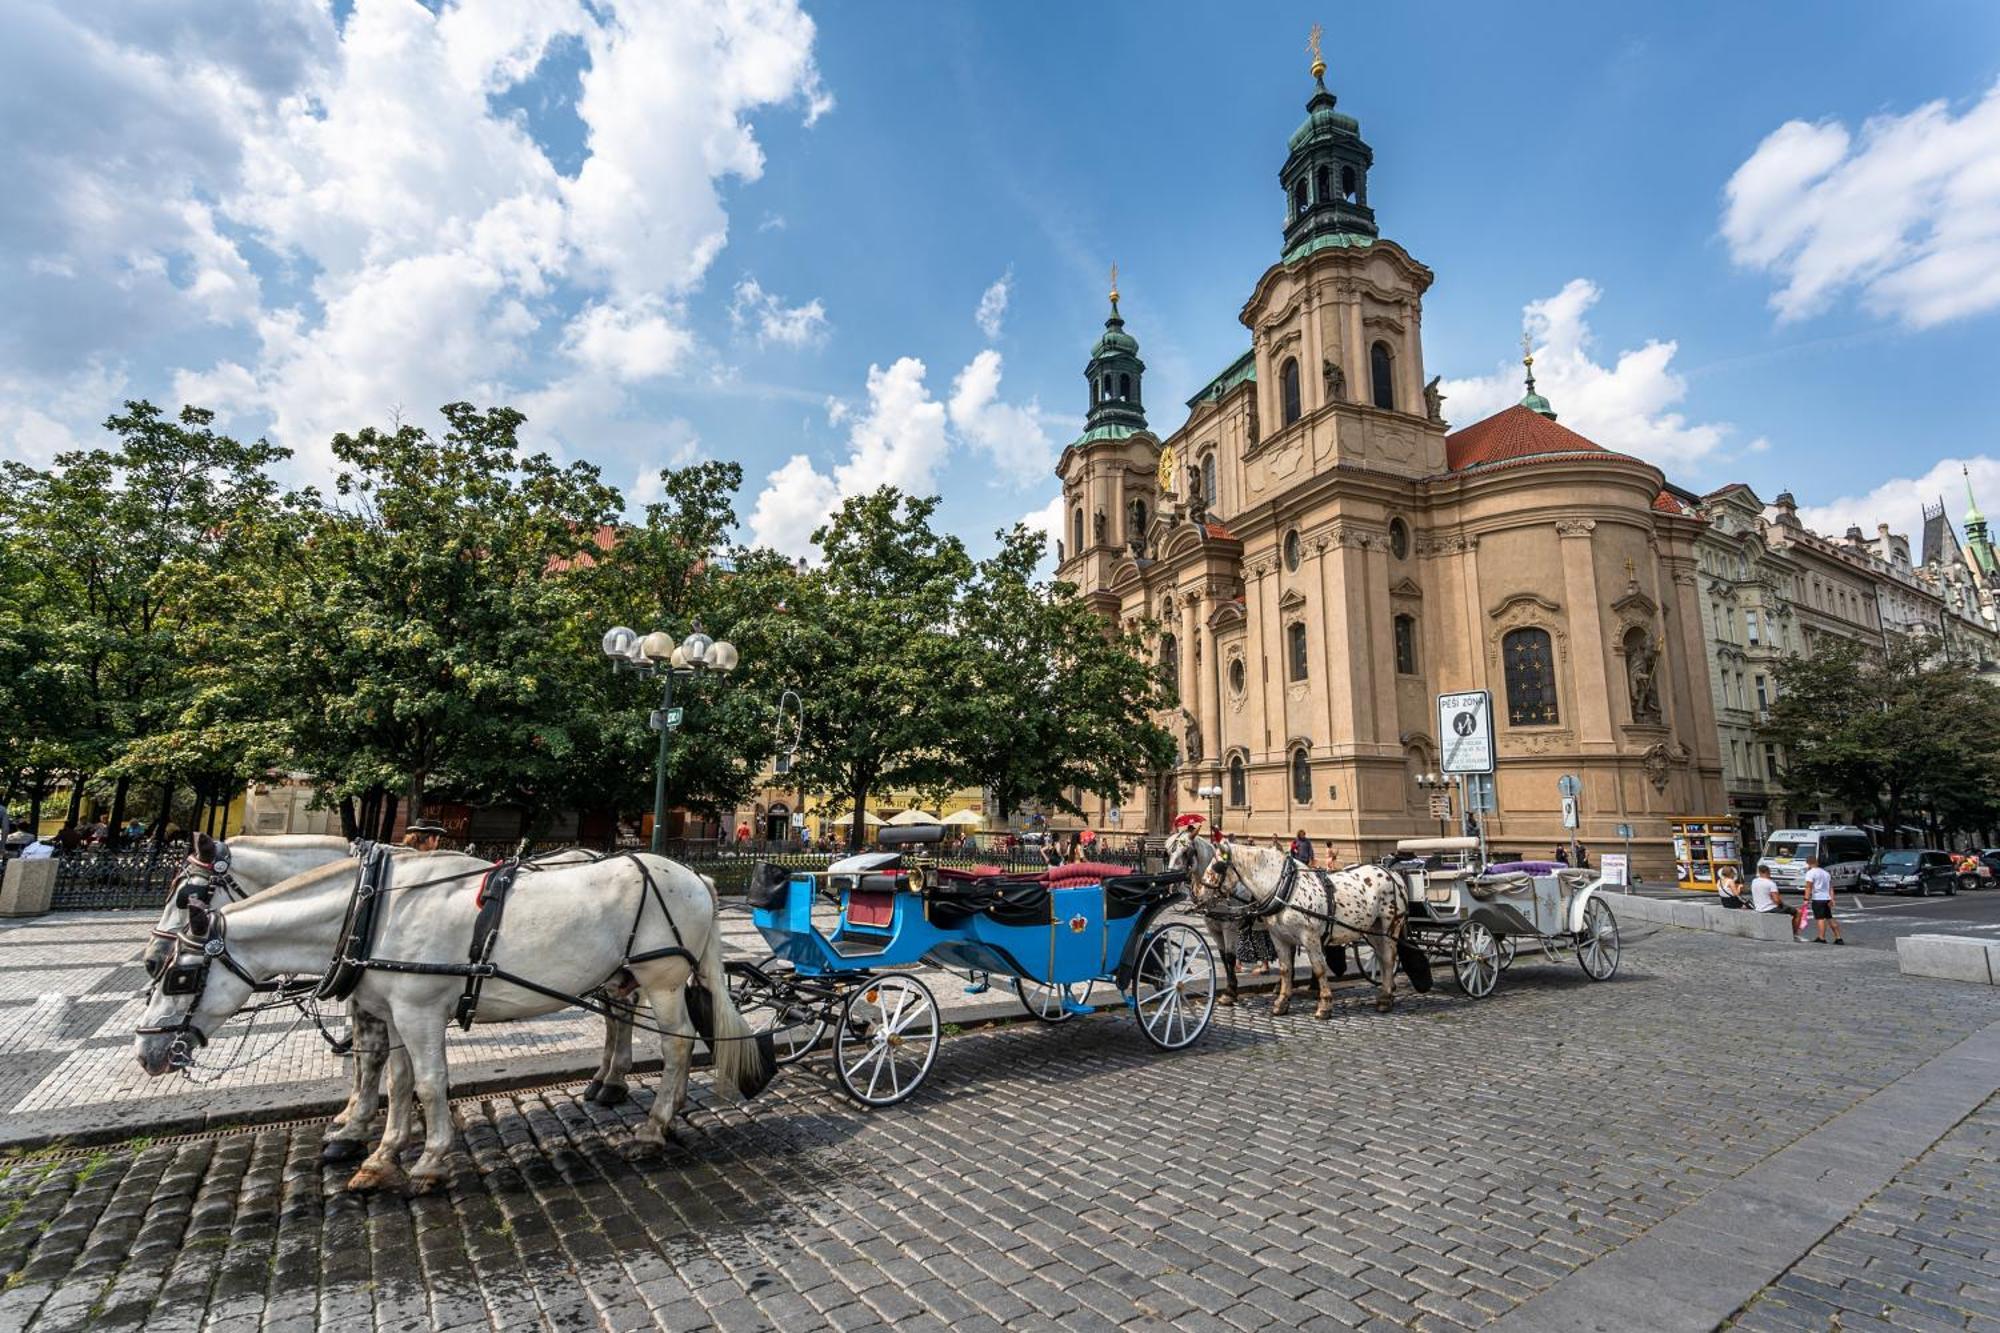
[1049, 698]
[872, 647]
[126, 538]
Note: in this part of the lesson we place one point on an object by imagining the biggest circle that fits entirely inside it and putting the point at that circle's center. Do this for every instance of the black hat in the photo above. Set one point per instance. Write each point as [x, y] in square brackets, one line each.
[430, 826]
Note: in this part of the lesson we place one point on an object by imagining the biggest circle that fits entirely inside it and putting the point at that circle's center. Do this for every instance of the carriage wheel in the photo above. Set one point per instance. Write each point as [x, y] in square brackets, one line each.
[1508, 948]
[1597, 943]
[1173, 988]
[1475, 959]
[1364, 958]
[1046, 1002]
[887, 1039]
[770, 1001]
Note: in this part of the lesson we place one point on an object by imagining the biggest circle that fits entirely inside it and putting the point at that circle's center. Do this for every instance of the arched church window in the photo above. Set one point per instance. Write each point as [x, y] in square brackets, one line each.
[1406, 645]
[1076, 532]
[1239, 782]
[1288, 380]
[1093, 393]
[1381, 373]
[1208, 480]
[1528, 663]
[1138, 519]
[1125, 386]
[1299, 197]
[1322, 191]
[1347, 183]
[1399, 539]
[1295, 649]
[1170, 667]
[1302, 777]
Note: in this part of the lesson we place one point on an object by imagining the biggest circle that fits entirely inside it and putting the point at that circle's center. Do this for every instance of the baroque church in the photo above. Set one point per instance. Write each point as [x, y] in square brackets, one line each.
[1319, 556]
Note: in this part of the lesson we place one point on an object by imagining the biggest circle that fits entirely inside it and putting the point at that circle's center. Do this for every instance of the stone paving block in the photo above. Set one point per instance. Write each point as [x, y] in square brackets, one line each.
[1950, 957]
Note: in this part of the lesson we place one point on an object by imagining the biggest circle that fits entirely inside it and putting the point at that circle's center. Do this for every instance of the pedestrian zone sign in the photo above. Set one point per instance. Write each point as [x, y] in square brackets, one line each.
[1465, 732]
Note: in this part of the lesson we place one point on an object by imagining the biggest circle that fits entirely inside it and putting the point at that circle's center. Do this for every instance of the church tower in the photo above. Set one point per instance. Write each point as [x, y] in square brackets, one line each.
[1979, 547]
[1107, 473]
[1326, 174]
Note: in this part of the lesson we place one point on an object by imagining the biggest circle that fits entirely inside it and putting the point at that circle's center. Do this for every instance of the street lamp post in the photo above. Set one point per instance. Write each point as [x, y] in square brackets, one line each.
[1434, 785]
[1213, 795]
[657, 652]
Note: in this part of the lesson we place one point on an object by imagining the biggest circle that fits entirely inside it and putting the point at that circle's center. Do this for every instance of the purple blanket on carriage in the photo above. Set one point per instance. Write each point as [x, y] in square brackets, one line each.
[1526, 868]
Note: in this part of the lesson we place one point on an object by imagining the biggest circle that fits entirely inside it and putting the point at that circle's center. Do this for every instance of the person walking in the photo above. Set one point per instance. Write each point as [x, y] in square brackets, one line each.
[1819, 893]
[1302, 848]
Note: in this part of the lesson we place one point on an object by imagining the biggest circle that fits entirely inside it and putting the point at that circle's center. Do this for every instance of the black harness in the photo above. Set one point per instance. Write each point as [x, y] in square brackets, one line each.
[357, 929]
[492, 902]
[186, 973]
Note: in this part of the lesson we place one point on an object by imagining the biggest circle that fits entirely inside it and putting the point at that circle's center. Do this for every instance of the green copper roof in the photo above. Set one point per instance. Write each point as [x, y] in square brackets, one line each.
[1534, 402]
[1972, 514]
[1339, 240]
[1109, 431]
[1242, 369]
[1322, 121]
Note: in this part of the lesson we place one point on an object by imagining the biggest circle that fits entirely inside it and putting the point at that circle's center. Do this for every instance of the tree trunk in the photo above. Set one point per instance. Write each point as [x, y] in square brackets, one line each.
[166, 813]
[416, 795]
[35, 795]
[76, 796]
[387, 832]
[118, 795]
[350, 824]
[224, 834]
[857, 826]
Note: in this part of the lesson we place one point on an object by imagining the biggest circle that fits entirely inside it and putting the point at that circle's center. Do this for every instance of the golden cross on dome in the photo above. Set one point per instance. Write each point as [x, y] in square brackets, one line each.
[1527, 350]
[1631, 571]
[1114, 283]
[1312, 44]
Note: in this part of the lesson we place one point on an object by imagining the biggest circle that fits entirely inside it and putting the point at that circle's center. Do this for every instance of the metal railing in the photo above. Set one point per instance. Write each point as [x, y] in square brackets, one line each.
[101, 881]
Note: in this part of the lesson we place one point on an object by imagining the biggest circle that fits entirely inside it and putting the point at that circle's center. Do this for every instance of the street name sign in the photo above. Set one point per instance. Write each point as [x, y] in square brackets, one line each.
[1569, 812]
[1465, 731]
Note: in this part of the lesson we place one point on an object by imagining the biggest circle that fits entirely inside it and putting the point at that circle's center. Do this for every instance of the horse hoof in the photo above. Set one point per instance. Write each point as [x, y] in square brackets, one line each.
[611, 1094]
[1280, 1009]
[592, 1090]
[336, 1151]
[369, 1179]
[421, 1184]
[1323, 1013]
[1384, 1006]
[1225, 998]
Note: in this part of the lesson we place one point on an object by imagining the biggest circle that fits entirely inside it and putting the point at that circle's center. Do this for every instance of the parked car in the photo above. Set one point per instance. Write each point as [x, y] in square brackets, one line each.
[1910, 870]
[1843, 851]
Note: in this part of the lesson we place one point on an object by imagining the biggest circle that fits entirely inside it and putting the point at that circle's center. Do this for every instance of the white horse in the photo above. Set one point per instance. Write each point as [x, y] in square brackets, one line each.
[1336, 908]
[255, 864]
[569, 929]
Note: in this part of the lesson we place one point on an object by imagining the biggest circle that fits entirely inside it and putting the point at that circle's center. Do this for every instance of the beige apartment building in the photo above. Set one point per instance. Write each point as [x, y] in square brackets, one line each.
[1320, 555]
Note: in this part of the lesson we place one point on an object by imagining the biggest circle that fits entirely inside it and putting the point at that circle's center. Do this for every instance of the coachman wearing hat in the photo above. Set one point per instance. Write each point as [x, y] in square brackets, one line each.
[423, 835]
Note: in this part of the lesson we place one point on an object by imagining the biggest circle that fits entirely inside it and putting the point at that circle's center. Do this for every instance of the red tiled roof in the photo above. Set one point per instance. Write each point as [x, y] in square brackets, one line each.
[1517, 432]
[1669, 504]
[1218, 532]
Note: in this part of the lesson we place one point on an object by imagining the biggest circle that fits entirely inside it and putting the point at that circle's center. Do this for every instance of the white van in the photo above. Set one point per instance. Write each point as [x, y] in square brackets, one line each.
[1843, 850]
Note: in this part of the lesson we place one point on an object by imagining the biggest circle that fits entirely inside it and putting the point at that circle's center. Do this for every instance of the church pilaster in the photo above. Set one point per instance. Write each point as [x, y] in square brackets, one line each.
[1592, 686]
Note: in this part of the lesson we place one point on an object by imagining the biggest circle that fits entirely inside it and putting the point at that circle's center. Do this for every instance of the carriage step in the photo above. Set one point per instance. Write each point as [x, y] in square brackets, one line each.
[980, 983]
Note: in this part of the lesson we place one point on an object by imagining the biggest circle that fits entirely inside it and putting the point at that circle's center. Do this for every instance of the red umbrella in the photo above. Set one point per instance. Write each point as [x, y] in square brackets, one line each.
[1187, 821]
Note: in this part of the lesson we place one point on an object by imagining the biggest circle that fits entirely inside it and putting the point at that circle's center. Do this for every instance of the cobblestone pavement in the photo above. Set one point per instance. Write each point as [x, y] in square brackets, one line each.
[1432, 1168]
[1923, 1253]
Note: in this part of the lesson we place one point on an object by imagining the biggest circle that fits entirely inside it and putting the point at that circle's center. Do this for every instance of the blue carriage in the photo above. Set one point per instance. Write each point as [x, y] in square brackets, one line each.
[1053, 936]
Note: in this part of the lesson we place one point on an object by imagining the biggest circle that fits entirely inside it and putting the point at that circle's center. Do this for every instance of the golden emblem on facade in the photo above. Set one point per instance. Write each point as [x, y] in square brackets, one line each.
[1166, 477]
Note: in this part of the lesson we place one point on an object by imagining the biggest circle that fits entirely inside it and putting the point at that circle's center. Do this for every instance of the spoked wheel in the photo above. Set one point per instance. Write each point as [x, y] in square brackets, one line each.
[1475, 959]
[1597, 943]
[1371, 967]
[887, 1039]
[1508, 948]
[1046, 1002]
[769, 999]
[1173, 988]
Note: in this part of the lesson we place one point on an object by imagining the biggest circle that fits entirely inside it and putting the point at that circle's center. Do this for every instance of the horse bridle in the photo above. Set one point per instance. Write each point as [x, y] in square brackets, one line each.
[184, 888]
[187, 974]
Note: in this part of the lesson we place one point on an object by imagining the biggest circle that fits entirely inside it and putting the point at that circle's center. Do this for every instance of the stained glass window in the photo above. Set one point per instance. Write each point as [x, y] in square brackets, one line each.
[1530, 667]
[1288, 379]
[1406, 645]
[1302, 778]
[1295, 645]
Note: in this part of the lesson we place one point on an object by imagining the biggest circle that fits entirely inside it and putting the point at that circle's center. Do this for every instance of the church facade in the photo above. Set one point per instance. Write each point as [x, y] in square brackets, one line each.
[1318, 556]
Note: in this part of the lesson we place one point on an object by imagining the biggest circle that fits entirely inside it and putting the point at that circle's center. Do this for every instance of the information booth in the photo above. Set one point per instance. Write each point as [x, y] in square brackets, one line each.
[1703, 847]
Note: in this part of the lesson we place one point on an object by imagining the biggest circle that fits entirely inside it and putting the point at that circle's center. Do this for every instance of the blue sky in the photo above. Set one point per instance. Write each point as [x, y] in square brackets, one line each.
[1756, 243]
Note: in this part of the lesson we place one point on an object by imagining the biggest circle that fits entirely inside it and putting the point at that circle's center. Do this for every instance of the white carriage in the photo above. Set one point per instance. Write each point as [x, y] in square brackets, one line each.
[1475, 917]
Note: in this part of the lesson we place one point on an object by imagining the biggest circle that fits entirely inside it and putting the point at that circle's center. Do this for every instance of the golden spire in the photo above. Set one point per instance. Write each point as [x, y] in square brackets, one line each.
[1528, 358]
[1114, 286]
[1312, 43]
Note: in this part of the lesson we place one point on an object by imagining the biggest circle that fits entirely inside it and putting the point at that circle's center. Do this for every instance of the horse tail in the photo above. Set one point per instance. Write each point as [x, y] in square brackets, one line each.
[744, 1059]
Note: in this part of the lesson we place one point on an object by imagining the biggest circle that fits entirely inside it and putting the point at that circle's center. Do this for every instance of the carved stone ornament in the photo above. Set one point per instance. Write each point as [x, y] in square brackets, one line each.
[1658, 767]
[1434, 400]
[1537, 742]
[1445, 543]
[1642, 670]
[1098, 524]
[1575, 527]
[1336, 381]
[1190, 738]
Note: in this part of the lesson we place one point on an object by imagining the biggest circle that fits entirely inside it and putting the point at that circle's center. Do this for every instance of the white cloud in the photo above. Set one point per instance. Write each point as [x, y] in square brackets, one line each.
[412, 237]
[1623, 406]
[898, 440]
[1899, 502]
[1012, 437]
[772, 321]
[993, 305]
[1048, 520]
[42, 419]
[1907, 213]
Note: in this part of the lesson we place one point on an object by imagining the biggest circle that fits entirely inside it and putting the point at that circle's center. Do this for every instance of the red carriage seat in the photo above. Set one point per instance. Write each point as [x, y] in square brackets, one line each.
[1082, 872]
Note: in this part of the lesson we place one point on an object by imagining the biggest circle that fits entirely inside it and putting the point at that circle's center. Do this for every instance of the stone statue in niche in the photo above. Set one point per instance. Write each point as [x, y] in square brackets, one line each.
[1255, 432]
[1190, 737]
[1642, 671]
[1138, 545]
[1097, 525]
[1336, 381]
[1434, 400]
[1060, 557]
[1197, 503]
